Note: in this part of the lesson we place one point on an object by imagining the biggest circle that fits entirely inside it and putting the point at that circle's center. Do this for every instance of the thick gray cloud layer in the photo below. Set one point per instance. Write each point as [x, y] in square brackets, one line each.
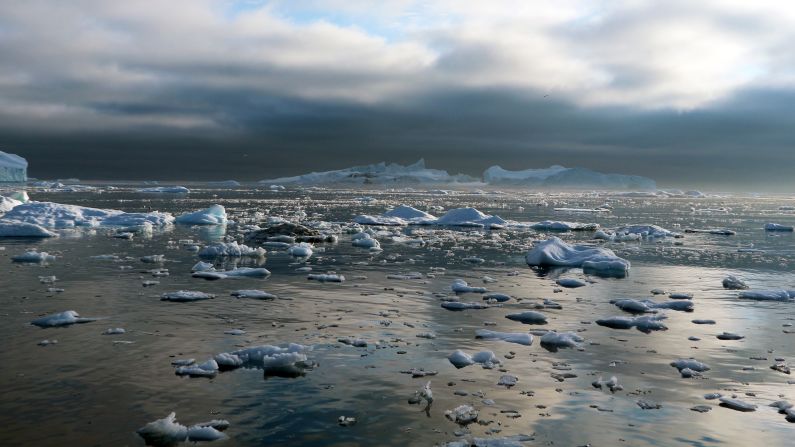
[686, 93]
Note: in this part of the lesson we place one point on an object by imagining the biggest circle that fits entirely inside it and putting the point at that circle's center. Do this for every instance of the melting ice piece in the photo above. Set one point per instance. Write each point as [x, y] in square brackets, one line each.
[511, 337]
[458, 305]
[778, 227]
[65, 318]
[283, 361]
[214, 215]
[555, 225]
[254, 294]
[528, 317]
[33, 256]
[165, 190]
[555, 340]
[736, 404]
[23, 230]
[301, 250]
[734, 283]
[230, 249]
[644, 324]
[462, 415]
[767, 295]
[469, 217]
[325, 277]
[498, 297]
[207, 369]
[689, 364]
[164, 432]
[555, 252]
[185, 296]
[461, 359]
[570, 283]
[461, 286]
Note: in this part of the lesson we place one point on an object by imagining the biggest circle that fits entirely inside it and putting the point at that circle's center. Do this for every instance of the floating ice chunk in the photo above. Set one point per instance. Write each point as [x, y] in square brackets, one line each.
[556, 225]
[554, 340]
[23, 230]
[235, 332]
[528, 317]
[400, 215]
[153, 259]
[498, 297]
[469, 217]
[185, 296]
[207, 369]
[366, 241]
[406, 276]
[165, 190]
[458, 305]
[767, 295]
[777, 227]
[33, 256]
[736, 404]
[230, 249]
[643, 324]
[461, 286]
[633, 306]
[214, 215]
[423, 393]
[730, 336]
[56, 215]
[555, 252]
[286, 361]
[646, 231]
[461, 359]
[164, 432]
[325, 277]
[249, 272]
[302, 250]
[353, 341]
[197, 433]
[462, 415]
[511, 337]
[508, 380]
[734, 283]
[680, 296]
[691, 364]
[202, 266]
[114, 331]
[682, 306]
[65, 318]
[346, 421]
[254, 294]
[611, 384]
[571, 283]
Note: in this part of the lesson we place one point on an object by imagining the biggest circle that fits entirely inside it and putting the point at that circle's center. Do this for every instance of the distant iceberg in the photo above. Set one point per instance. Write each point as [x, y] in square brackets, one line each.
[562, 177]
[379, 173]
[13, 168]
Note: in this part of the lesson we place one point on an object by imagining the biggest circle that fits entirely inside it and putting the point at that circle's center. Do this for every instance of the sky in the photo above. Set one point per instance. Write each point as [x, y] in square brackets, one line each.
[687, 93]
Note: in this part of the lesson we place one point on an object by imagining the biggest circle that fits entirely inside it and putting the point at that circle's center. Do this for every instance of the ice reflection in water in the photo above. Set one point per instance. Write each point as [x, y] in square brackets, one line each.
[91, 389]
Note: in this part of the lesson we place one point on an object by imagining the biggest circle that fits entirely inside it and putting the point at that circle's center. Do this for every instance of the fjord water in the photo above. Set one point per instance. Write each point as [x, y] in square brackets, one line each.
[94, 389]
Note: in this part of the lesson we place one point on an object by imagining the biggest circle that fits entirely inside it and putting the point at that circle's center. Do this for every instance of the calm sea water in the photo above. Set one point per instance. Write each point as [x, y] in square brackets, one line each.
[93, 389]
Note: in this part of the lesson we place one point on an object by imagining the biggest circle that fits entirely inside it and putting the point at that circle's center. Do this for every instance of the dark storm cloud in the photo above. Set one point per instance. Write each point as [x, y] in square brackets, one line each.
[688, 95]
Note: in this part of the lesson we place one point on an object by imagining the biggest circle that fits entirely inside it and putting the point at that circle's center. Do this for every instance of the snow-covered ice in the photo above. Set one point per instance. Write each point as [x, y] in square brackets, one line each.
[555, 252]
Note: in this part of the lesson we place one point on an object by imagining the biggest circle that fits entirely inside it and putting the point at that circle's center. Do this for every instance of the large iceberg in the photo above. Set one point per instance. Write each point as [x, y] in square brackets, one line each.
[561, 177]
[13, 168]
[56, 215]
[379, 173]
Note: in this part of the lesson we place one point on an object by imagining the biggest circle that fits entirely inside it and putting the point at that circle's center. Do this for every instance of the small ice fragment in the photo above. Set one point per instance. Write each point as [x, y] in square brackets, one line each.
[461, 286]
[736, 404]
[164, 432]
[734, 283]
[186, 296]
[65, 318]
[114, 331]
[570, 283]
[462, 415]
[254, 294]
[528, 317]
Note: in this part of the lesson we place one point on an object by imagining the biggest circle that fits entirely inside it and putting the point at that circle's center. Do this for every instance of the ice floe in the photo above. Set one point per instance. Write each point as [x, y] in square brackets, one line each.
[767, 295]
[521, 338]
[555, 252]
[65, 318]
[186, 296]
[461, 359]
[555, 340]
[528, 317]
[644, 324]
[461, 286]
[778, 227]
[33, 256]
[253, 294]
[214, 215]
[230, 249]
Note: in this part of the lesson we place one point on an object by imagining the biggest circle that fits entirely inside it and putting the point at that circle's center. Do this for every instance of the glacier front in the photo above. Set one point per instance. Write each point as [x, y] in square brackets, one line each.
[13, 168]
[379, 173]
[561, 177]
